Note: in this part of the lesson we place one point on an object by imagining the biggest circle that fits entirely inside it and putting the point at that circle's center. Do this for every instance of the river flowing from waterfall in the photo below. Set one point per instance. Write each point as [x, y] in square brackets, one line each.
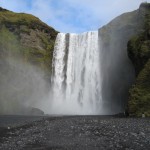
[76, 77]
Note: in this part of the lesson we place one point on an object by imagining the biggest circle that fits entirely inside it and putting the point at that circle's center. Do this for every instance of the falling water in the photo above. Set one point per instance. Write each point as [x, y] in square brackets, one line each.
[76, 80]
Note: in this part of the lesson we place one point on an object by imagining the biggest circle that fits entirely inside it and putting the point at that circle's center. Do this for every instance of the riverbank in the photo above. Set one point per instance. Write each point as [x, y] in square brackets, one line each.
[77, 132]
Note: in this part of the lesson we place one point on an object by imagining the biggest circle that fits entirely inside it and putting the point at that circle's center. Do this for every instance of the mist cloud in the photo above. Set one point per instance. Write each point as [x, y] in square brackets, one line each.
[22, 86]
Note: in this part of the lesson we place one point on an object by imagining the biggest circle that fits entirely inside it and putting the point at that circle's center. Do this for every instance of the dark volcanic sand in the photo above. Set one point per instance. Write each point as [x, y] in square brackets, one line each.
[75, 132]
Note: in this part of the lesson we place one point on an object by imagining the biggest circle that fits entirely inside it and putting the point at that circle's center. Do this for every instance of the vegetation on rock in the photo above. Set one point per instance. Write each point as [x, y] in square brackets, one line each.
[25, 41]
[117, 69]
[139, 53]
[25, 36]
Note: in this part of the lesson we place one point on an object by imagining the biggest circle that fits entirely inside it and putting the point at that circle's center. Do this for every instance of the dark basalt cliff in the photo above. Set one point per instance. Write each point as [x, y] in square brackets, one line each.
[139, 53]
[118, 71]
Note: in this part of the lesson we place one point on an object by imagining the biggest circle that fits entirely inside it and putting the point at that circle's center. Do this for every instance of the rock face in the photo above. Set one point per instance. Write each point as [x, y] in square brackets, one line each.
[25, 36]
[139, 53]
[117, 69]
[28, 40]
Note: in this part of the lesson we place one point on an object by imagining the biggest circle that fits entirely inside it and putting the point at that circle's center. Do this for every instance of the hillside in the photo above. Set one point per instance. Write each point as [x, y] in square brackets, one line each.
[118, 71]
[26, 50]
[23, 35]
[139, 53]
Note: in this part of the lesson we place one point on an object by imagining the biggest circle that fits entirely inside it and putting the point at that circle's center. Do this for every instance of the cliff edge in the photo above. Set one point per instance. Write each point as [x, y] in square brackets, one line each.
[139, 53]
[26, 51]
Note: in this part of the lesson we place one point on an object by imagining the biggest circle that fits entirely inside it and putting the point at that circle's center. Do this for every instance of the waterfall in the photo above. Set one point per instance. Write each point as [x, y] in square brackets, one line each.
[76, 79]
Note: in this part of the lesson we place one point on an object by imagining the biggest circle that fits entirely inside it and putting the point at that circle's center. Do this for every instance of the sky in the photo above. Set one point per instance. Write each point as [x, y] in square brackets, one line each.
[73, 16]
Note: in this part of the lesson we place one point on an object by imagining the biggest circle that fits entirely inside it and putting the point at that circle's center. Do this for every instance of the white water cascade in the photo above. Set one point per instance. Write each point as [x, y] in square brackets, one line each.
[76, 80]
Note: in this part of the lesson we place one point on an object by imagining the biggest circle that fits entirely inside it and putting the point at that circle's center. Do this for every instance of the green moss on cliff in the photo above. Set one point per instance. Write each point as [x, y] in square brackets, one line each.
[26, 49]
[140, 93]
[9, 43]
[13, 20]
[27, 37]
[118, 73]
[139, 53]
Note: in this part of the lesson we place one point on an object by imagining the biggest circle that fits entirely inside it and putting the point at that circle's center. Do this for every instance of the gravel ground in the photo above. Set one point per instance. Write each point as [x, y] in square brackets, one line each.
[77, 132]
[17, 120]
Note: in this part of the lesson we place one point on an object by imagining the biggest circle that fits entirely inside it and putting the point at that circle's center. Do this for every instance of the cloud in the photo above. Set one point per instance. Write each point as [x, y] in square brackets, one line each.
[103, 11]
[73, 15]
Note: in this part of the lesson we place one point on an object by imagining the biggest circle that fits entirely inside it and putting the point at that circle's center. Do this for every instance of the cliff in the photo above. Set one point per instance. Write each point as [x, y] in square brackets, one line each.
[26, 36]
[118, 71]
[26, 50]
[139, 53]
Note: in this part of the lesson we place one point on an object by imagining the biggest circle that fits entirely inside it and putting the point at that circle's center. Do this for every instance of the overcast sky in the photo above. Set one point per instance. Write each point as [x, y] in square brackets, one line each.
[73, 15]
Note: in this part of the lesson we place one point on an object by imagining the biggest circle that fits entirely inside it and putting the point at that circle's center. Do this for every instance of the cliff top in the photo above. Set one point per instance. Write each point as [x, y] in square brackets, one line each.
[145, 5]
[2, 9]
[10, 18]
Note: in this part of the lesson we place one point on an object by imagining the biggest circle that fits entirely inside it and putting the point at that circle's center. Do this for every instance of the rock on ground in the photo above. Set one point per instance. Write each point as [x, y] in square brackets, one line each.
[78, 132]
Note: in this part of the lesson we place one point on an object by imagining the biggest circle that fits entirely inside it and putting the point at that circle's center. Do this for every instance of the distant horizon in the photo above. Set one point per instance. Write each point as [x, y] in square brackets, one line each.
[73, 16]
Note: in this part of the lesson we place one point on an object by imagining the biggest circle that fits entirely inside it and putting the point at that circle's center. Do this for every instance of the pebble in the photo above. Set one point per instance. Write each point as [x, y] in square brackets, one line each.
[142, 133]
[113, 133]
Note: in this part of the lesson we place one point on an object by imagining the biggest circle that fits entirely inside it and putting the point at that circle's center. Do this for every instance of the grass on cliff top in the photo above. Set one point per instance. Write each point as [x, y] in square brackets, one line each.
[9, 17]
[16, 17]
